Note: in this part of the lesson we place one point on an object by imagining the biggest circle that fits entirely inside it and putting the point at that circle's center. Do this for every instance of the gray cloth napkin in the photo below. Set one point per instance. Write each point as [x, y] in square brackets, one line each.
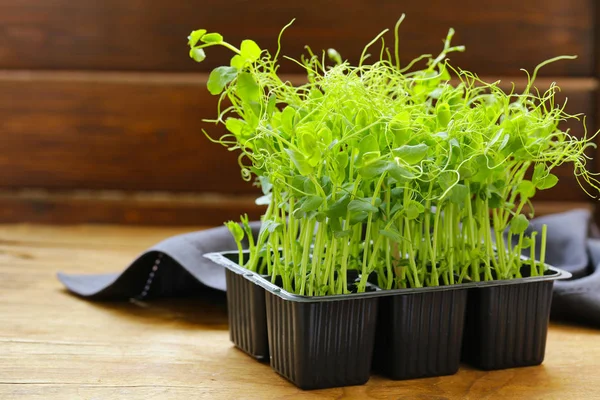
[176, 267]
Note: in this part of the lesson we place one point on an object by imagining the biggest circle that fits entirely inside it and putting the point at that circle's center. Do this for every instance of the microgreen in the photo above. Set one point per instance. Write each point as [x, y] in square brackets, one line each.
[404, 172]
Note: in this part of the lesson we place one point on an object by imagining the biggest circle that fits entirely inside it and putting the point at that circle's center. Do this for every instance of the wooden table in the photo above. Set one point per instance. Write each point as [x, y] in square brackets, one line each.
[54, 345]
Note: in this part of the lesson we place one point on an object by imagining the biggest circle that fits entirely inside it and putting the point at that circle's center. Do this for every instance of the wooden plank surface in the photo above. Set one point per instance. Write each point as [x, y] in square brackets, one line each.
[53, 345]
[130, 131]
[147, 208]
[501, 37]
[162, 209]
[73, 131]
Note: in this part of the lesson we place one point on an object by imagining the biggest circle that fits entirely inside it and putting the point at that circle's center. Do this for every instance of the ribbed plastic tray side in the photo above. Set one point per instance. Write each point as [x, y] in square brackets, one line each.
[247, 315]
[507, 325]
[420, 335]
[322, 344]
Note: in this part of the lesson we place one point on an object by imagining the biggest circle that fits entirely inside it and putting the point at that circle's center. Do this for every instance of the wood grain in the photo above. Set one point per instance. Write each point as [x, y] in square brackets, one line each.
[501, 37]
[136, 132]
[114, 207]
[155, 209]
[107, 132]
[53, 345]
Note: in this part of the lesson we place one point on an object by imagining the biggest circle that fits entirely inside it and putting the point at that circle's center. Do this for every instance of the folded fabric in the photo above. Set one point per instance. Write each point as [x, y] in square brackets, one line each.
[176, 267]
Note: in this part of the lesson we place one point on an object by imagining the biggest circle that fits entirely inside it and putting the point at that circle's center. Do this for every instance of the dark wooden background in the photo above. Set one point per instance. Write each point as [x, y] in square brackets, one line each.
[101, 108]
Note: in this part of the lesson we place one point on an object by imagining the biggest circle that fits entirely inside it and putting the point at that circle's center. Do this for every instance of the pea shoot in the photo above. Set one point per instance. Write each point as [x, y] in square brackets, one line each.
[416, 176]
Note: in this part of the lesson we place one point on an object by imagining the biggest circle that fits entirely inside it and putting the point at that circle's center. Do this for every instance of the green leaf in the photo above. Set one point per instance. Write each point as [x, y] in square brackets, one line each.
[465, 171]
[398, 205]
[219, 78]
[339, 172]
[197, 54]
[307, 143]
[298, 184]
[362, 119]
[458, 194]
[398, 173]
[334, 56]
[247, 88]
[236, 230]
[339, 208]
[377, 168]
[526, 189]
[288, 119]
[195, 37]
[265, 185]
[236, 126]
[250, 51]
[298, 213]
[342, 159]
[495, 138]
[375, 201]
[270, 225]
[447, 178]
[361, 205]
[443, 114]
[400, 126]
[320, 216]
[212, 38]
[505, 140]
[538, 172]
[315, 94]
[373, 169]
[542, 178]
[548, 182]
[311, 203]
[271, 105]
[480, 168]
[368, 145]
[519, 224]
[325, 136]
[411, 154]
[341, 234]
[237, 62]
[300, 162]
[263, 200]
[495, 200]
[310, 187]
[398, 193]
[413, 209]
[392, 234]
[368, 157]
[358, 217]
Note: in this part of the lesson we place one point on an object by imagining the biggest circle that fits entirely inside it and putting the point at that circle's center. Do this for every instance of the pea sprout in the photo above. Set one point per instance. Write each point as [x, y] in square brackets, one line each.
[410, 176]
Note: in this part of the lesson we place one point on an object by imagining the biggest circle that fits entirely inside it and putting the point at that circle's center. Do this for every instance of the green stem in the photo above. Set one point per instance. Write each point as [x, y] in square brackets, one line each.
[307, 228]
[365, 271]
[473, 236]
[451, 238]
[543, 250]
[316, 260]
[434, 279]
[534, 271]
[502, 271]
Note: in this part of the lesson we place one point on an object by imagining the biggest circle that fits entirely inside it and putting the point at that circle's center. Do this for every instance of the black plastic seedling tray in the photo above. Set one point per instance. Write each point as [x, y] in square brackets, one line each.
[315, 342]
[420, 334]
[246, 311]
[330, 341]
[507, 324]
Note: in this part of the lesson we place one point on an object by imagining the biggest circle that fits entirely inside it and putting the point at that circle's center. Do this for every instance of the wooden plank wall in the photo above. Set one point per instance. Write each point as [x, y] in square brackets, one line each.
[101, 108]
